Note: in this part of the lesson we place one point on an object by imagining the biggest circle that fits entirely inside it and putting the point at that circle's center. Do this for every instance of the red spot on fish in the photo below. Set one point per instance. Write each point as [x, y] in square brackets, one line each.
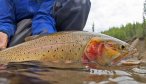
[85, 60]
[91, 51]
[94, 50]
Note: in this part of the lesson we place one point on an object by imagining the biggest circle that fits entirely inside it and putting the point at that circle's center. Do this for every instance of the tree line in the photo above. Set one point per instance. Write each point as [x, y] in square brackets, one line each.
[128, 32]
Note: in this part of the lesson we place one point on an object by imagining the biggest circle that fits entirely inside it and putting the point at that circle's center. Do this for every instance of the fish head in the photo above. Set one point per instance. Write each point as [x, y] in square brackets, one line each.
[107, 51]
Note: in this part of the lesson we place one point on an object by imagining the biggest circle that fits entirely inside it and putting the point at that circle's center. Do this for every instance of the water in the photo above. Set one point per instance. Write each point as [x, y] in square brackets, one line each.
[48, 73]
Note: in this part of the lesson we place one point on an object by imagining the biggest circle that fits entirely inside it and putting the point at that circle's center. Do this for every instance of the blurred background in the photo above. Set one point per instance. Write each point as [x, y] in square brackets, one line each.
[114, 13]
[123, 19]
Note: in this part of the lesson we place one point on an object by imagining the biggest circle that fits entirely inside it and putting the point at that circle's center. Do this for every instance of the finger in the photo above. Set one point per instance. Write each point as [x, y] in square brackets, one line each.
[3, 45]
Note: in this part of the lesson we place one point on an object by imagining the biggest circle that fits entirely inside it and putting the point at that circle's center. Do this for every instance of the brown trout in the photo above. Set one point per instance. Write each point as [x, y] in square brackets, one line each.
[77, 46]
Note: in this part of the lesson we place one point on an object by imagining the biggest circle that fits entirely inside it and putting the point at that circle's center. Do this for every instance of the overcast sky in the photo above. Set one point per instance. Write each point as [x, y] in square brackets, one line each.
[109, 13]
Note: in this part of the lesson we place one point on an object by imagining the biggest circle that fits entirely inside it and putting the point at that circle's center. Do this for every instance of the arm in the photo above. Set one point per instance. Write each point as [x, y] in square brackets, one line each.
[43, 22]
[7, 20]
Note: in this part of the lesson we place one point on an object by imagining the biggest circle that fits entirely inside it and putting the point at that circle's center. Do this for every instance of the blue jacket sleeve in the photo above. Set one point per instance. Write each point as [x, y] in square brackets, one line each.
[43, 22]
[7, 17]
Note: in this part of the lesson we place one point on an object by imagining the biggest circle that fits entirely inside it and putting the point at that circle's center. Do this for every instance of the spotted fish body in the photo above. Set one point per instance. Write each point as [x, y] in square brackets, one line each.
[62, 46]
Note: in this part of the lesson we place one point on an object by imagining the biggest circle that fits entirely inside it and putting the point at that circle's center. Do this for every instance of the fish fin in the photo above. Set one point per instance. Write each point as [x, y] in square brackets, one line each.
[29, 38]
[32, 37]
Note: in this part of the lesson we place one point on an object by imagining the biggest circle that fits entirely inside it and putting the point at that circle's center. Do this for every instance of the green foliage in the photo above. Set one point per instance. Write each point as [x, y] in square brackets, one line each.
[127, 32]
[144, 26]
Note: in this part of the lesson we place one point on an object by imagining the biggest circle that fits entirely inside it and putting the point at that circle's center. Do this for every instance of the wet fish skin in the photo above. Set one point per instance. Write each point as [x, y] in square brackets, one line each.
[61, 47]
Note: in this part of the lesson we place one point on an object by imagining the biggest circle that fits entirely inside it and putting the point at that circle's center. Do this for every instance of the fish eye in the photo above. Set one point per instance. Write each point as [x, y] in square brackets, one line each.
[122, 47]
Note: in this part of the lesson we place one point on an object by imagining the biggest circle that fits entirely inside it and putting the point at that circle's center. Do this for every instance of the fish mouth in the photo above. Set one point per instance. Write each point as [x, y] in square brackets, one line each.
[117, 60]
[124, 57]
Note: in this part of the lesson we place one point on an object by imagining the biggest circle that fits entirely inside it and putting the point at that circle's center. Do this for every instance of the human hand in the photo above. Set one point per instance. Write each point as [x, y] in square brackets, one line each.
[3, 40]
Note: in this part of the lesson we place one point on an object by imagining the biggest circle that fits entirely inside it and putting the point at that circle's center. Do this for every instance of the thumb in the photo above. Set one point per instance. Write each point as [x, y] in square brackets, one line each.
[3, 40]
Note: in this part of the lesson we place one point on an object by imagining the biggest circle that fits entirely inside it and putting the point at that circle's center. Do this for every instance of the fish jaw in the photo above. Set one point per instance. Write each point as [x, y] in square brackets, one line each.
[127, 56]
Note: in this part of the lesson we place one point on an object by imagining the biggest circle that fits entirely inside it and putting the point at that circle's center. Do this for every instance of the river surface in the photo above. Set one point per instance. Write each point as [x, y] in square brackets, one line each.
[48, 73]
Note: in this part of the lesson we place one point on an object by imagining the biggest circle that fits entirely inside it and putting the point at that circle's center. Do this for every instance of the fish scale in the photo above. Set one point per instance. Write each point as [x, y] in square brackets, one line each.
[67, 43]
[61, 46]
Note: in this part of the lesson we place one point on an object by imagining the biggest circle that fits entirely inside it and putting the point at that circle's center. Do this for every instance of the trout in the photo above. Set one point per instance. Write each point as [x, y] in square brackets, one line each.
[71, 46]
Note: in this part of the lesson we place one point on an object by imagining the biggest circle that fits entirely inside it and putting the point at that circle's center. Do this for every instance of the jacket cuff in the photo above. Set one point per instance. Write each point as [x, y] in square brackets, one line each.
[42, 28]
